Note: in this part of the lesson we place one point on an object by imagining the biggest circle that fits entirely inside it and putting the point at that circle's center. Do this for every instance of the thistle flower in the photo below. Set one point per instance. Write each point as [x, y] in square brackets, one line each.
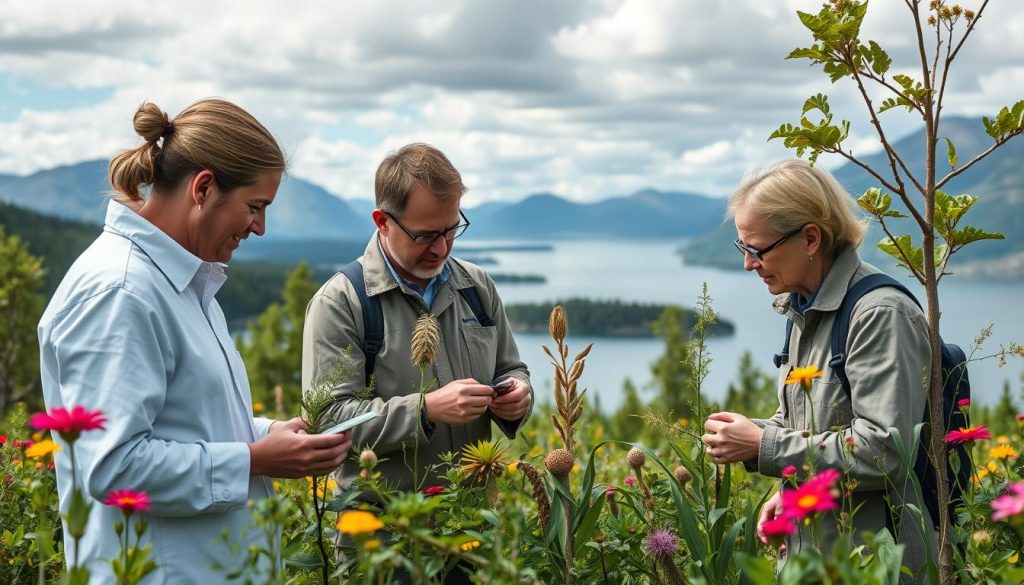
[636, 458]
[559, 462]
[558, 325]
[483, 463]
[540, 495]
[682, 475]
[426, 337]
[662, 545]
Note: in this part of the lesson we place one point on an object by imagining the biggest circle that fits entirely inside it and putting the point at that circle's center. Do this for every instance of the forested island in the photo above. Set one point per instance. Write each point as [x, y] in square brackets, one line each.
[603, 318]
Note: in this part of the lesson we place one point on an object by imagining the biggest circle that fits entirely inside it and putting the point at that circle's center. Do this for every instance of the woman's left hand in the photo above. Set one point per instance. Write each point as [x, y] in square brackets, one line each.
[731, 437]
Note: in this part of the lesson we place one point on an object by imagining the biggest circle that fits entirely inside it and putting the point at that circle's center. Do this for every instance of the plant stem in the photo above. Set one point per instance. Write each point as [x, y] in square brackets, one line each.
[317, 509]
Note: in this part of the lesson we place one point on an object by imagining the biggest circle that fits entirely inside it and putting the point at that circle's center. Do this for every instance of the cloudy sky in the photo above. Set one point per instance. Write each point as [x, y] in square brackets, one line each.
[587, 99]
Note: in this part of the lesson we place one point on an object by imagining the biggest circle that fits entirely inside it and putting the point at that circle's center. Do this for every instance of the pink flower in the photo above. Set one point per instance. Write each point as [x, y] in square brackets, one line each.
[1020, 416]
[3, 439]
[68, 424]
[963, 402]
[630, 480]
[128, 500]
[661, 543]
[777, 529]
[433, 490]
[968, 435]
[788, 471]
[815, 495]
[1009, 504]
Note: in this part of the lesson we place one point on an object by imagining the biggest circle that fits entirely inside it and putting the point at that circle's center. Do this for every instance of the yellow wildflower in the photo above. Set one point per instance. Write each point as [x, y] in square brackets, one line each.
[470, 545]
[992, 468]
[575, 468]
[358, 522]
[1003, 451]
[683, 421]
[803, 376]
[257, 407]
[323, 488]
[371, 545]
[1002, 439]
[1013, 559]
[512, 467]
[42, 449]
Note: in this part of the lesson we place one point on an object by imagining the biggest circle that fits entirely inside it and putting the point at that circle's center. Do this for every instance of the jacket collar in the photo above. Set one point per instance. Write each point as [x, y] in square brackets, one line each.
[833, 289]
[176, 263]
[379, 279]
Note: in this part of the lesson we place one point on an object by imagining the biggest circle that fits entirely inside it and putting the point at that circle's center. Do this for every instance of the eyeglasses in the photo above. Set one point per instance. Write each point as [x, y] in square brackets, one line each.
[759, 254]
[427, 238]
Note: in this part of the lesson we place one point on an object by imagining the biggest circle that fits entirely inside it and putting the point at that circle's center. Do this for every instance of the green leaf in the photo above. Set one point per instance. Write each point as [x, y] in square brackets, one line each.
[755, 568]
[303, 561]
[589, 523]
[969, 234]
[880, 60]
[951, 154]
[816, 102]
[902, 250]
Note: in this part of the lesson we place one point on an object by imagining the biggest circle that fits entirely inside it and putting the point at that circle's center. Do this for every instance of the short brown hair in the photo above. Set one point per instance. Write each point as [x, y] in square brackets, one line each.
[415, 165]
[210, 134]
[792, 193]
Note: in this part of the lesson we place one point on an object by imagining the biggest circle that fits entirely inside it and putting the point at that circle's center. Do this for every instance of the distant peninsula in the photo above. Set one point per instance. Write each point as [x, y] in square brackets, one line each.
[602, 318]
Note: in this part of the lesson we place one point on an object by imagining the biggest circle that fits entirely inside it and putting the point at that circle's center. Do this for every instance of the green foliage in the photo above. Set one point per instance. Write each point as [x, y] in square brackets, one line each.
[21, 306]
[817, 137]
[753, 393]
[272, 346]
[673, 369]
[1007, 123]
[626, 422]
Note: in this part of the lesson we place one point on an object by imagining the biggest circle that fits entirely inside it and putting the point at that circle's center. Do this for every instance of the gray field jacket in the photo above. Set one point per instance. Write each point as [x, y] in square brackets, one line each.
[468, 350]
[887, 364]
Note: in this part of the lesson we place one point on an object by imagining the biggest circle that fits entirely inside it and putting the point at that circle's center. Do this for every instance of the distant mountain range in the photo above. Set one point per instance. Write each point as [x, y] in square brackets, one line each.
[998, 181]
[305, 211]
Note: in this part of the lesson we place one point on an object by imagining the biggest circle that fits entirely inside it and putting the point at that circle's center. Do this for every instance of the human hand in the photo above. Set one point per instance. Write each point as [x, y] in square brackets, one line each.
[731, 437]
[514, 404]
[458, 402]
[288, 452]
[770, 511]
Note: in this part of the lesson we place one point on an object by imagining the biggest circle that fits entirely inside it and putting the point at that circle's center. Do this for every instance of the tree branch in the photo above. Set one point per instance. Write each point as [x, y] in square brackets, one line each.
[977, 159]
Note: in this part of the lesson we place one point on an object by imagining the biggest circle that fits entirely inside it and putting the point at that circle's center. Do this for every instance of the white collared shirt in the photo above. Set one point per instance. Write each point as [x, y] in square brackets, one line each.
[134, 330]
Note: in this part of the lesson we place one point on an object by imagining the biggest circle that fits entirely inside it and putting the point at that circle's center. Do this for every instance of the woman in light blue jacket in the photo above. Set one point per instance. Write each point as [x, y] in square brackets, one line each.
[134, 330]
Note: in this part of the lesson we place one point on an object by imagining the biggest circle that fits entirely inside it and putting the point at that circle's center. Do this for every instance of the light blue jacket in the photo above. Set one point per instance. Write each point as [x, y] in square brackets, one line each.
[133, 330]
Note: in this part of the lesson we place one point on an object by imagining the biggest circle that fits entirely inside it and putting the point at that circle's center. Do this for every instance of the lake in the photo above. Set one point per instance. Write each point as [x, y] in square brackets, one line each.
[652, 272]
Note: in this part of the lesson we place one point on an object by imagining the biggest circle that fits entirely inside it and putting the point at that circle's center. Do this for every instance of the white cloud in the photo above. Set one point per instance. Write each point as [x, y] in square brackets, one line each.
[585, 99]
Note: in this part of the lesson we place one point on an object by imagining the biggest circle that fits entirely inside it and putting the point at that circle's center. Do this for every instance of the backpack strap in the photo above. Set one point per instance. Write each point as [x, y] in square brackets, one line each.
[373, 317]
[841, 325]
[783, 356]
[472, 297]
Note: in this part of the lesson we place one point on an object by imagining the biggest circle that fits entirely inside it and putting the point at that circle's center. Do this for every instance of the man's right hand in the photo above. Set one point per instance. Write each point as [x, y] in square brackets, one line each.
[288, 452]
[458, 402]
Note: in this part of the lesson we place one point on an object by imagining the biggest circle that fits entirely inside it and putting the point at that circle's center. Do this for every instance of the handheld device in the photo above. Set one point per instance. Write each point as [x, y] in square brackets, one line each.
[348, 424]
[504, 387]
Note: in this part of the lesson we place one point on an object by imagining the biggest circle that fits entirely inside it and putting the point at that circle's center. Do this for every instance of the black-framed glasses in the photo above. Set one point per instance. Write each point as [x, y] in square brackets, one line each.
[759, 254]
[427, 238]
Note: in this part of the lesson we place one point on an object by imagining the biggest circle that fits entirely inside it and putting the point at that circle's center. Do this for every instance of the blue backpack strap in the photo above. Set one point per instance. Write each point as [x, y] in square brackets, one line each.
[472, 298]
[841, 325]
[373, 317]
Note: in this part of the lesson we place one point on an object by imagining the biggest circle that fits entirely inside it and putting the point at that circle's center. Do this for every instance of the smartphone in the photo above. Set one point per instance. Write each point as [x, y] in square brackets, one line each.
[504, 387]
[348, 424]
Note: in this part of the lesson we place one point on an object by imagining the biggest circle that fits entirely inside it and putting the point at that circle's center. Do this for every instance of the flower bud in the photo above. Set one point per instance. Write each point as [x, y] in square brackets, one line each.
[426, 338]
[636, 458]
[558, 325]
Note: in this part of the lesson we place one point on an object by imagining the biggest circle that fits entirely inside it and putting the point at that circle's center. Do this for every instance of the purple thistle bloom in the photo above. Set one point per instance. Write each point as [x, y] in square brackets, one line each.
[661, 543]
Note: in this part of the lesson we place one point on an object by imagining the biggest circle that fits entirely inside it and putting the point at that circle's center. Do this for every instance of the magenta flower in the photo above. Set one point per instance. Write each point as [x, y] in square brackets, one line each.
[815, 495]
[968, 435]
[128, 500]
[68, 424]
[788, 471]
[777, 529]
[661, 543]
[1009, 504]
[630, 480]
[433, 490]
[963, 402]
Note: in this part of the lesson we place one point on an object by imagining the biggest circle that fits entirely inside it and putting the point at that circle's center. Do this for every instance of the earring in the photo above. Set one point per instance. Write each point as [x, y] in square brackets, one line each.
[200, 207]
[810, 257]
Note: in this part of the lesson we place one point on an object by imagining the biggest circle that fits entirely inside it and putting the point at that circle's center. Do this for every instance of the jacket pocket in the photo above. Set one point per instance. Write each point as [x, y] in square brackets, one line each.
[480, 346]
[832, 407]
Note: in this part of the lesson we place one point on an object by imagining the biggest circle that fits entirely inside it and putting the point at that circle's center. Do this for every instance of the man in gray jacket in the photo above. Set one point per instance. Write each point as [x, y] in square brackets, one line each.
[407, 267]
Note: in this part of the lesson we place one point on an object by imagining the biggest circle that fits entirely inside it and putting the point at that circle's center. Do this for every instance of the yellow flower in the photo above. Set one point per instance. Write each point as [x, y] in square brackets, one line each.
[1013, 558]
[469, 545]
[1003, 451]
[323, 487]
[257, 407]
[277, 485]
[992, 468]
[1002, 439]
[512, 467]
[358, 522]
[37, 436]
[982, 474]
[575, 468]
[371, 545]
[684, 422]
[535, 452]
[42, 449]
[803, 376]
